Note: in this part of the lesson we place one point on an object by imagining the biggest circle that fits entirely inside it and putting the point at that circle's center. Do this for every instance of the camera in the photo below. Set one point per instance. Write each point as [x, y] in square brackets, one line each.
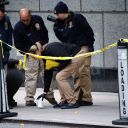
[51, 18]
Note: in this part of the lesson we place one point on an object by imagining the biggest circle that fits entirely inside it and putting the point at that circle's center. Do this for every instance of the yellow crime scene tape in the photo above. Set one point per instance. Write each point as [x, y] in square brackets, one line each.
[23, 63]
[1, 45]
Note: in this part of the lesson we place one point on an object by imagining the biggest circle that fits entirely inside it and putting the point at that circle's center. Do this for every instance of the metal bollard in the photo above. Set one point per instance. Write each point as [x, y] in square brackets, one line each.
[123, 82]
[4, 108]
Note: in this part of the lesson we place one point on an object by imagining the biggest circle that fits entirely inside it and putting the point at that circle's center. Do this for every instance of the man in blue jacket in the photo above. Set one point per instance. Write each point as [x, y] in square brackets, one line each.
[5, 33]
[73, 28]
[30, 34]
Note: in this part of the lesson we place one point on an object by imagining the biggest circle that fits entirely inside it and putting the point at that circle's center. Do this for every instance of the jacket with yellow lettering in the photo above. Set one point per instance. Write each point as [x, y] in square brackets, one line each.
[26, 36]
[75, 29]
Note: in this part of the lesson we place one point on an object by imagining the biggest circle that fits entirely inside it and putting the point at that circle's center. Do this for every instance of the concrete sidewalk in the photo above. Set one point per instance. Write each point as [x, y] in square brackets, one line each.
[104, 110]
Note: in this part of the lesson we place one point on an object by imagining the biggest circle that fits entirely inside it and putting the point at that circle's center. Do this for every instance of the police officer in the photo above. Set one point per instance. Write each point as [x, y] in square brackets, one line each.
[30, 34]
[68, 99]
[74, 29]
[6, 33]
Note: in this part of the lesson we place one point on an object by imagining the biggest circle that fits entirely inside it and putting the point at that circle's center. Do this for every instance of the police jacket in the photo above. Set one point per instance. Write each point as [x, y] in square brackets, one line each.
[74, 30]
[59, 50]
[6, 33]
[26, 36]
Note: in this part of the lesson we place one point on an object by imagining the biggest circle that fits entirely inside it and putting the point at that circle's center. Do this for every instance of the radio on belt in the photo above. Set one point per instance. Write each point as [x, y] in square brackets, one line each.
[122, 82]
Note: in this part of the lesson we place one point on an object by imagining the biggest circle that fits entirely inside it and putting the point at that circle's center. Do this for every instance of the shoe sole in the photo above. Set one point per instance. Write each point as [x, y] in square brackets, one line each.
[30, 105]
[86, 104]
[70, 107]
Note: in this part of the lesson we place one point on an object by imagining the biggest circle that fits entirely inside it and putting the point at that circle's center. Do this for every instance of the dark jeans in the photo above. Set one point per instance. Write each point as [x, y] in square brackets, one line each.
[14, 80]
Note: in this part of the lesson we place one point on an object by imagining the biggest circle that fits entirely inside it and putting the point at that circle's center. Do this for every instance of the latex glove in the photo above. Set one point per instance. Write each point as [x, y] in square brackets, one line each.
[33, 49]
[39, 48]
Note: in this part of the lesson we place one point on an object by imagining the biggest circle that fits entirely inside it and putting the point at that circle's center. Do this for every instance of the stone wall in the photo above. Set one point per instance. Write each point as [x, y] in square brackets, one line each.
[108, 18]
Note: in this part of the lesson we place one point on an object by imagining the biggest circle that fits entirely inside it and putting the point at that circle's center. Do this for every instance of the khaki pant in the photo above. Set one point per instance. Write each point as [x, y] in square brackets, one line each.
[85, 83]
[66, 91]
[34, 68]
[85, 78]
[74, 69]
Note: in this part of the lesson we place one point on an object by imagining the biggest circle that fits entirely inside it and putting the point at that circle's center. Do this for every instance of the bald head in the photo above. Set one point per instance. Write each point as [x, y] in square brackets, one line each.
[25, 16]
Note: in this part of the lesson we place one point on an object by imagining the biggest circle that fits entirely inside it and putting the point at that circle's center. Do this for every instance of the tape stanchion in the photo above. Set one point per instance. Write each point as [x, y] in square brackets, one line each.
[122, 56]
[4, 107]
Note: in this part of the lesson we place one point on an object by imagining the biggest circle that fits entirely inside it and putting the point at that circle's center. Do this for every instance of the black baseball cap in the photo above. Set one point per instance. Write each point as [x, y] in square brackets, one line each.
[61, 7]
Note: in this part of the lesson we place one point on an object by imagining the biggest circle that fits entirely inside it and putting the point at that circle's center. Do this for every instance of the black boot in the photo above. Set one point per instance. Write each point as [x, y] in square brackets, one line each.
[85, 103]
[60, 104]
[12, 103]
[70, 106]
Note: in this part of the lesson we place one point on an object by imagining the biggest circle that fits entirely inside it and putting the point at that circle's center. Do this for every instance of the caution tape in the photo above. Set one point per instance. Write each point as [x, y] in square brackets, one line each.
[77, 56]
[80, 55]
[2, 52]
[124, 40]
[63, 58]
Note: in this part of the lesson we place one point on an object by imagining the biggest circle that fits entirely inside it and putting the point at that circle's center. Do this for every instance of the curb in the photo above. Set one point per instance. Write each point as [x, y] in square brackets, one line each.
[55, 123]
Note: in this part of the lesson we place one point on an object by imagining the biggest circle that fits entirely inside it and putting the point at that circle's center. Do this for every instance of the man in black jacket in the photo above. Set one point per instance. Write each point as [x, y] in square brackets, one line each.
[74, 29]
[5, 33]
[30, 34]
[68, 99]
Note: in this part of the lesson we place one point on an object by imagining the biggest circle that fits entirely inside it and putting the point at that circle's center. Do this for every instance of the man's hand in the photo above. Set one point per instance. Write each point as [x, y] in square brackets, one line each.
[33, 49]
[39, 48]
[36, 49]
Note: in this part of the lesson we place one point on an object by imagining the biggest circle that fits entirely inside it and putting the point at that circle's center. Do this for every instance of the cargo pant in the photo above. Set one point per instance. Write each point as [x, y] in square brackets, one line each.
[84, 93]
[77, 70]
[34, 68]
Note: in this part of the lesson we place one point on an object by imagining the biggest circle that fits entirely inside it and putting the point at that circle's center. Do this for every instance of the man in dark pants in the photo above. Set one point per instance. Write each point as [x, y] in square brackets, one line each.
[68, 99]
[74, 29]
[14, 80]
[30, 34]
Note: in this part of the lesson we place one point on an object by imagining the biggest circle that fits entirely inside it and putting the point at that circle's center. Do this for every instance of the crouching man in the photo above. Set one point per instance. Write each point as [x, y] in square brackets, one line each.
[66, 69]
